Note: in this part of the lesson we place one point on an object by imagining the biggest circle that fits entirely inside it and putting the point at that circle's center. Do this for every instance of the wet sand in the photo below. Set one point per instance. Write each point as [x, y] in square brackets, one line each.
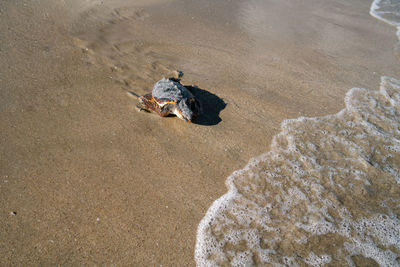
[86, 179]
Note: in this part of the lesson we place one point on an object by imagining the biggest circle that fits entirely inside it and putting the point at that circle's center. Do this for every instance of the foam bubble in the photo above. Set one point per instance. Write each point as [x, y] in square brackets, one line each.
[316, 260]
[327, 191]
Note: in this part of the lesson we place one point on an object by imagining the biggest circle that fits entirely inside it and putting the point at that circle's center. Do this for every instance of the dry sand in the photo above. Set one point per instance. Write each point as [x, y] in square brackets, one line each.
[87, 180]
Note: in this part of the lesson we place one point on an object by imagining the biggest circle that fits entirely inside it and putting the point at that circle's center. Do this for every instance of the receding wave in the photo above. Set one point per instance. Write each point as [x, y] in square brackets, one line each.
[387, 11]
[327, 192]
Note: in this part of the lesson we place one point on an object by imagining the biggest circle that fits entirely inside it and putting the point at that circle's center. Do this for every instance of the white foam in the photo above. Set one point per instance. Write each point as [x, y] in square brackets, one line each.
[313, 167]
[333, 176]
[316, 260]
[387, 11]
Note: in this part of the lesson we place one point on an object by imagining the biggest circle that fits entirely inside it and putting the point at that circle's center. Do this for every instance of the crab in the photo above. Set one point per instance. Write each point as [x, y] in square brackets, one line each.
[169, 96]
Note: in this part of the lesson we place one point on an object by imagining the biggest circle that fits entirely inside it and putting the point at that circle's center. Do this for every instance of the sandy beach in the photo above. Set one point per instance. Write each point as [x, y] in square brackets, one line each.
[85, 179]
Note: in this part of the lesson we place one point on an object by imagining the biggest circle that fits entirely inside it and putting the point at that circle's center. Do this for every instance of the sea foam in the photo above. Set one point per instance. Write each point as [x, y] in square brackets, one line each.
[387, 11]
[326, 193]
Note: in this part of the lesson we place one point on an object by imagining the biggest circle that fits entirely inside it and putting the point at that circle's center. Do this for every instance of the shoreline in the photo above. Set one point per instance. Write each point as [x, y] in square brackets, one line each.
[94, 182]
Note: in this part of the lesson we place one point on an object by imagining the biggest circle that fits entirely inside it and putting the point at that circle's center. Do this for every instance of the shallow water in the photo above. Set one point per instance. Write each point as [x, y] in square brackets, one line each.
[327, 180]
[326, 193]
[387, 11]
[112, 192]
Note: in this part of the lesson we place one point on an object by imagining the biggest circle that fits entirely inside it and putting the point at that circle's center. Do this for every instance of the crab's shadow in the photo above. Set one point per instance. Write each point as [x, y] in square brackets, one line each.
[211, 106]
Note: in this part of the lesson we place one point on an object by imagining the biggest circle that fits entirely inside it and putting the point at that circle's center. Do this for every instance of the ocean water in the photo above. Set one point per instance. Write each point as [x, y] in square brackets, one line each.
[387, 11]
[327, 192]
